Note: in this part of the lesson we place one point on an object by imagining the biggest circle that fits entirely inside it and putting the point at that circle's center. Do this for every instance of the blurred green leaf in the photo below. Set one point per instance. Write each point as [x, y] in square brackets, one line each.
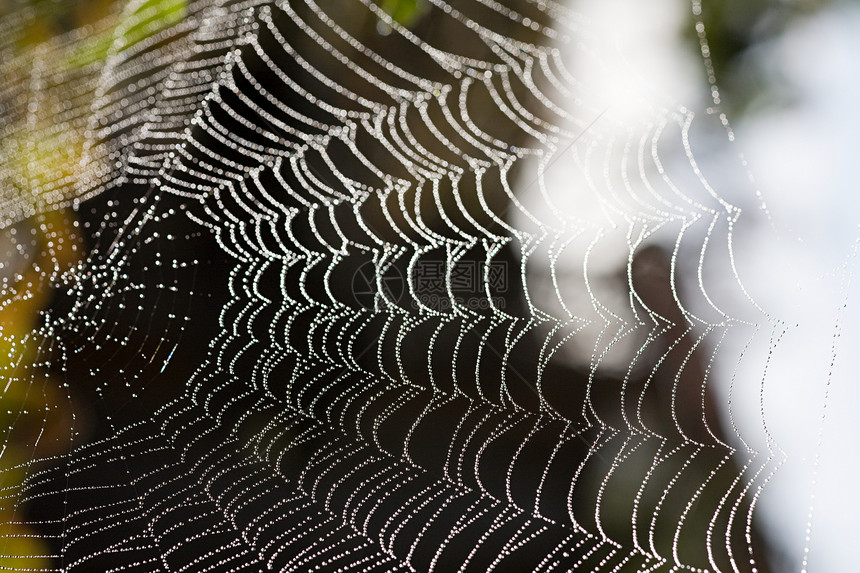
[150, 18]
[405, 12]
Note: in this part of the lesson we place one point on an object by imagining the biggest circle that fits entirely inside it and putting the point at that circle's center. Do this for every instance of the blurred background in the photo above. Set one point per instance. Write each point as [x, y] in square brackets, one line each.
[774, 86]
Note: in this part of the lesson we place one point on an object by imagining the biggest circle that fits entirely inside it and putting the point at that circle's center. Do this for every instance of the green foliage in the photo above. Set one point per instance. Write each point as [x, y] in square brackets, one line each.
[150, 18]
[405, 12]
[733, 28]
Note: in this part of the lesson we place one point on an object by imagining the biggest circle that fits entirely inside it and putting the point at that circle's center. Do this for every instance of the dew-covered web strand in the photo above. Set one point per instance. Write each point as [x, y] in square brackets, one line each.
[444, 419]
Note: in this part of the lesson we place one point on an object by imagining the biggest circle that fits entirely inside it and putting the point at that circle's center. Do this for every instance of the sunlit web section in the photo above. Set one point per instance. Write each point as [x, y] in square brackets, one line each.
[336, 313]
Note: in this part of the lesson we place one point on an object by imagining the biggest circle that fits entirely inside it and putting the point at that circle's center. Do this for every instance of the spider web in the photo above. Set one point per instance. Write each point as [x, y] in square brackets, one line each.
[316, 297]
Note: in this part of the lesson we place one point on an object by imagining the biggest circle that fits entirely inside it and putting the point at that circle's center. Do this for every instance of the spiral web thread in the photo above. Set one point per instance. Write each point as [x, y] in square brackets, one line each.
[407, 360]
